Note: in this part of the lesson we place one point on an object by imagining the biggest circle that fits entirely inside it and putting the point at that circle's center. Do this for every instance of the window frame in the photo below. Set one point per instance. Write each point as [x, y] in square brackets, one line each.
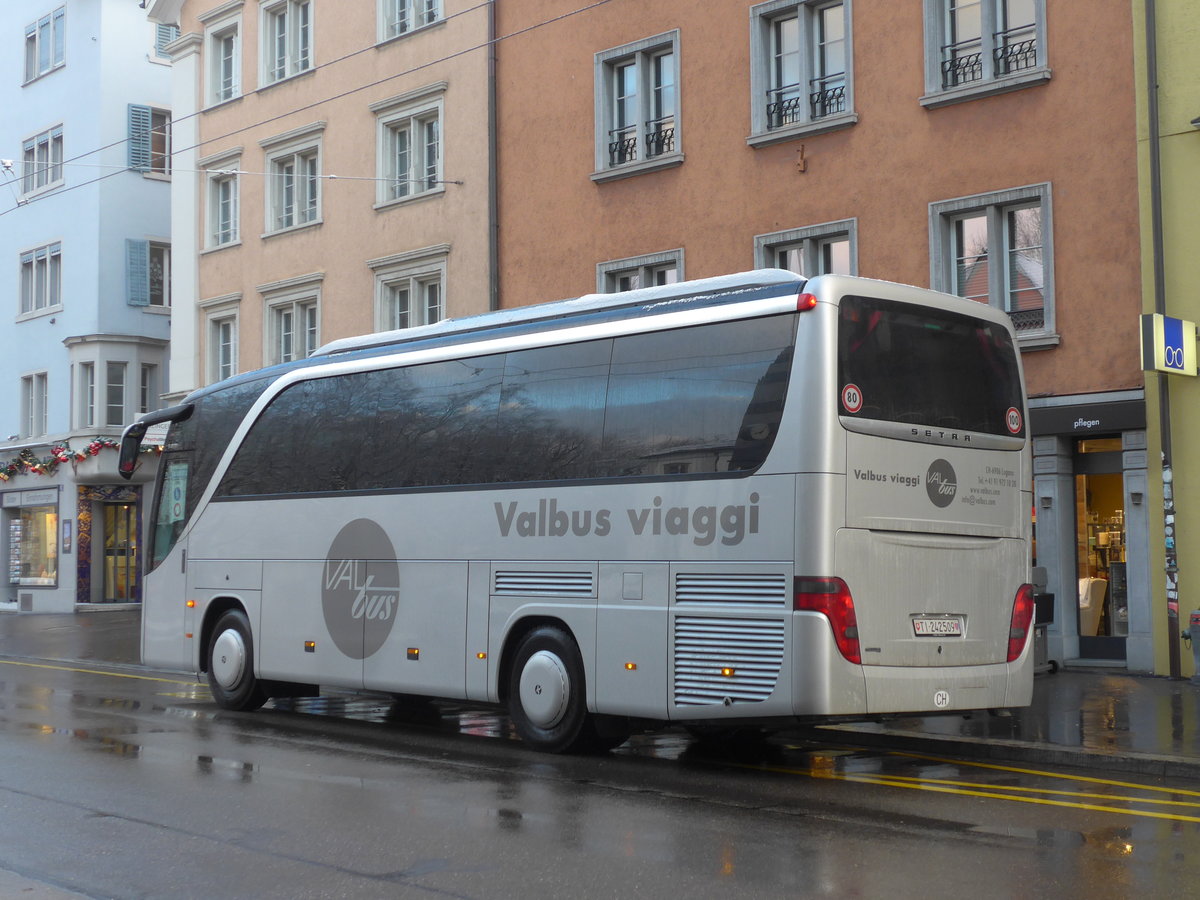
[942, 218]
[297, 296]
[288, 54]
[810, 240]
[118, 388]
[763, 19]
[35, 401]
[643, 266]
[55, 21]
[87, 394]
[642, 55]
[408, 111]
[145, 154]
[32, 168]
[221, 24]
[296, 147]
[990, 82]
[423, 267]
[221, 312]
[163, 35]
[387, 17]
[52, 281]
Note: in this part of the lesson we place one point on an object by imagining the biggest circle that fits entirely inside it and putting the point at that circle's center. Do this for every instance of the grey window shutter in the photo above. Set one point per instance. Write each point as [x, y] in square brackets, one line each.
[139, 137]
[137, 272]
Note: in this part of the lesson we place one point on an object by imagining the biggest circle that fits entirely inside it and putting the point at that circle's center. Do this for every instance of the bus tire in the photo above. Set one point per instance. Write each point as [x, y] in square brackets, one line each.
[546, 692]
[231, 664]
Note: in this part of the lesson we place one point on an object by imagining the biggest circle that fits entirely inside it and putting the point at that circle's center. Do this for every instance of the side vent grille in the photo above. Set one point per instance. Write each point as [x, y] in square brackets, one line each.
[726, 659]
[545, 584]
[758, 591]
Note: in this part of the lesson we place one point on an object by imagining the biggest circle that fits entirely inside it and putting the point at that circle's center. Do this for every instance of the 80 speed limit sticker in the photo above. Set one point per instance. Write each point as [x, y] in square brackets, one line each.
[852, 398]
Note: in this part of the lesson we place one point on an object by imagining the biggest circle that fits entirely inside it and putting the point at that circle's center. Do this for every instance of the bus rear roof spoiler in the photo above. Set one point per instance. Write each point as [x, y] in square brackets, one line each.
[131, 439]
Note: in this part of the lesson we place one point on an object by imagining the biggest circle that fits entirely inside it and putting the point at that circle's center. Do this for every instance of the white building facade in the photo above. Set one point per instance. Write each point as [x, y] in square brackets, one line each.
[85, 300]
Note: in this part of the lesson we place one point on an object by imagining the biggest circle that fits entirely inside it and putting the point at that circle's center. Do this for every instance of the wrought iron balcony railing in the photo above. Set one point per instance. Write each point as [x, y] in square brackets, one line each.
[622, 145]
[785, 106]
[660, 136]
[827, 95]
[1015, 49]
[962, 63]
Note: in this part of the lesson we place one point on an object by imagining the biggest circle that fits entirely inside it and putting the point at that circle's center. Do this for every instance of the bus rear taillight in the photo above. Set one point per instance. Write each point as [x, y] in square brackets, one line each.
[1022, 619]
[806, 302]
[831, 597]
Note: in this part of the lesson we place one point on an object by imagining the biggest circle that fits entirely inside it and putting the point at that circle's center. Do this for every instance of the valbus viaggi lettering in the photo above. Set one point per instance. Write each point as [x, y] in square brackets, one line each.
[703, 524]
[349, 575]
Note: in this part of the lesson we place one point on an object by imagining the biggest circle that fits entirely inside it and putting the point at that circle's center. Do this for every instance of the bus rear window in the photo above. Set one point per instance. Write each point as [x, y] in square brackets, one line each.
[920, 366]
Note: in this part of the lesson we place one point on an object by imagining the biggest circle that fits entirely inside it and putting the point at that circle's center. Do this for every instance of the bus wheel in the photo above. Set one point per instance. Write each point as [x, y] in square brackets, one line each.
[231, 664]
[546, 696]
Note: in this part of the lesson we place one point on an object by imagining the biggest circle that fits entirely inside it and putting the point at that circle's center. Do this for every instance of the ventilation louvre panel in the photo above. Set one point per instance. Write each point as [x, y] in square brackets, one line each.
[544, 584]
[752, 648]
[758, 591]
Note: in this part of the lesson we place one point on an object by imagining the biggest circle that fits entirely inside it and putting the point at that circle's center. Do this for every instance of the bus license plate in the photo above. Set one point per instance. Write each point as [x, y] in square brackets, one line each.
[941, 626]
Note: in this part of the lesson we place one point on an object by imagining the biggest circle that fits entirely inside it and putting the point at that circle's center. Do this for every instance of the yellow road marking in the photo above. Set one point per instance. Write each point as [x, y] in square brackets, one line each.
[29, 665]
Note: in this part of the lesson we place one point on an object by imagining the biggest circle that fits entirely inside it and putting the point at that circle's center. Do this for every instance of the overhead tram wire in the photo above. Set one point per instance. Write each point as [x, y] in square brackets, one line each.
[450, 56]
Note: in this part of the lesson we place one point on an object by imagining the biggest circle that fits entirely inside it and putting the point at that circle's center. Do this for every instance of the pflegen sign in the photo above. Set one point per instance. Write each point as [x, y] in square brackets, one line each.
[1168, 345]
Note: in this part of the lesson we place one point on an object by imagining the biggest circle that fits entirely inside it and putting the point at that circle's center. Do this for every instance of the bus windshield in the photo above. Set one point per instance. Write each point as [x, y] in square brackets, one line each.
[921, 366]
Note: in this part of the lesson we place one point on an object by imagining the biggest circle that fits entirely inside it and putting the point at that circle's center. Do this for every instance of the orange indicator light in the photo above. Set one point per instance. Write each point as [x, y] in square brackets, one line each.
[630, 667]
[728, 671]
[191, 604]
[481, 656]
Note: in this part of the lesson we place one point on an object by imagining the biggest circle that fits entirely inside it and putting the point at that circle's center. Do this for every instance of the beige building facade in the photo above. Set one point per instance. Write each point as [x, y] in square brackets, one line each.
[331, 175]
[983, 148]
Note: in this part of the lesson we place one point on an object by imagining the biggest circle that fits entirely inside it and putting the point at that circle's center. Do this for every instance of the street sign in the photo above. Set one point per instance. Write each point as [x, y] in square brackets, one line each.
[1168, 345]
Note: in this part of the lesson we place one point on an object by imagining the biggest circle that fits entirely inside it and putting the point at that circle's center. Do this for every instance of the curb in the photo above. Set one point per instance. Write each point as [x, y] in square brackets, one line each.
[999, 751]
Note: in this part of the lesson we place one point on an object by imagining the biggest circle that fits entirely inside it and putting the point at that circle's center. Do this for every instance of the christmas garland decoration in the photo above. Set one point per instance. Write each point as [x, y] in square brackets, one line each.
[27, 462]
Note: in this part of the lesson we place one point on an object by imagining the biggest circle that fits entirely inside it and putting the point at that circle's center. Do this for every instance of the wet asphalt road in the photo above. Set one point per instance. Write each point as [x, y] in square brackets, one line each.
[123, 782]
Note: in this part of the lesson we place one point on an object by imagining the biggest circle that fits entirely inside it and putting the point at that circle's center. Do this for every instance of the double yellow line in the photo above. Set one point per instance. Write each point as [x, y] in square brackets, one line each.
[1021, 794]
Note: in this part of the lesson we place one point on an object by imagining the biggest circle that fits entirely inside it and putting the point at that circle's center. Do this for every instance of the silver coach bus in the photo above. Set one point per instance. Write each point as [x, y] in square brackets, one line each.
[748, 499]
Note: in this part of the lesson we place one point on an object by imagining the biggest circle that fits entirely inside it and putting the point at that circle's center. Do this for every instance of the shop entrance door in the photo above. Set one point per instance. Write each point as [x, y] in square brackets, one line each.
[120, 553]
[1100, 549]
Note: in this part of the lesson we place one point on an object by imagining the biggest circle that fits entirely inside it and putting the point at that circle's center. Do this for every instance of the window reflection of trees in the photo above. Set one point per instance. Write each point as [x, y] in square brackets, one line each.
[703, 399]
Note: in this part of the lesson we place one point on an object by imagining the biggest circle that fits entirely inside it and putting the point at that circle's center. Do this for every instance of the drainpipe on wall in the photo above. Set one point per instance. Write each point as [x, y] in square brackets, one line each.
[493, 188]
[1160, 307]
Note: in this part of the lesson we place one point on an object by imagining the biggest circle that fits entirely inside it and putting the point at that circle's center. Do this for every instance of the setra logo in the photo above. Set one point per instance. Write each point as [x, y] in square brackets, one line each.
[941, 483]
[360, 589]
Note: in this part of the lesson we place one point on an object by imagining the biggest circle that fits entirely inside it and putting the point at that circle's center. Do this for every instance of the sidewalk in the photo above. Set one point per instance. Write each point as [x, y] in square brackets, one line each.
[1116, 723]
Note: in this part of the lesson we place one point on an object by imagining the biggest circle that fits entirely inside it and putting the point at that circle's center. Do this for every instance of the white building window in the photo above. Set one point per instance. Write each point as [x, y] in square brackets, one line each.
[399, 17]
[409, 157]
[223, 190]
[975, 48]
[223, 49]
[41, 279]
[114, 394]
[287, 34]
[148, 392]
[44, 41]
[42, 160]
[827, 249]
[410, 288]
[148, 273]
[221, 337]
[293, 194]
[801, 76]
[639, 272]
[637, 118]
[34, 402]
[291, 317]
[294, 330]
[997, 248]
[87, 395]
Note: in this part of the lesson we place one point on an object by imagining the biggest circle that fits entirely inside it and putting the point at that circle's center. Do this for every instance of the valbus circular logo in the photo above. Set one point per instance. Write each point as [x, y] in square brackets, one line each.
[360, 590]
[941, 483]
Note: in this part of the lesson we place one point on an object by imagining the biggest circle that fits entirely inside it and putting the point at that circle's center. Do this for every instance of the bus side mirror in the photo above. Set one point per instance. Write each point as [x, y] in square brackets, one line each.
[131, 445]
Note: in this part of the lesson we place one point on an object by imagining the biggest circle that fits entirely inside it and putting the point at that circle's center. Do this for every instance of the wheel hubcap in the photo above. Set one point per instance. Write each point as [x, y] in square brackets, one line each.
[229, 658]
[545, 688]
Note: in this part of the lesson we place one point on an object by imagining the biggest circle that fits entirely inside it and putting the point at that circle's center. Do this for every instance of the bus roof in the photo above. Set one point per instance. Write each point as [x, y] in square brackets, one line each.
[724, 285]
